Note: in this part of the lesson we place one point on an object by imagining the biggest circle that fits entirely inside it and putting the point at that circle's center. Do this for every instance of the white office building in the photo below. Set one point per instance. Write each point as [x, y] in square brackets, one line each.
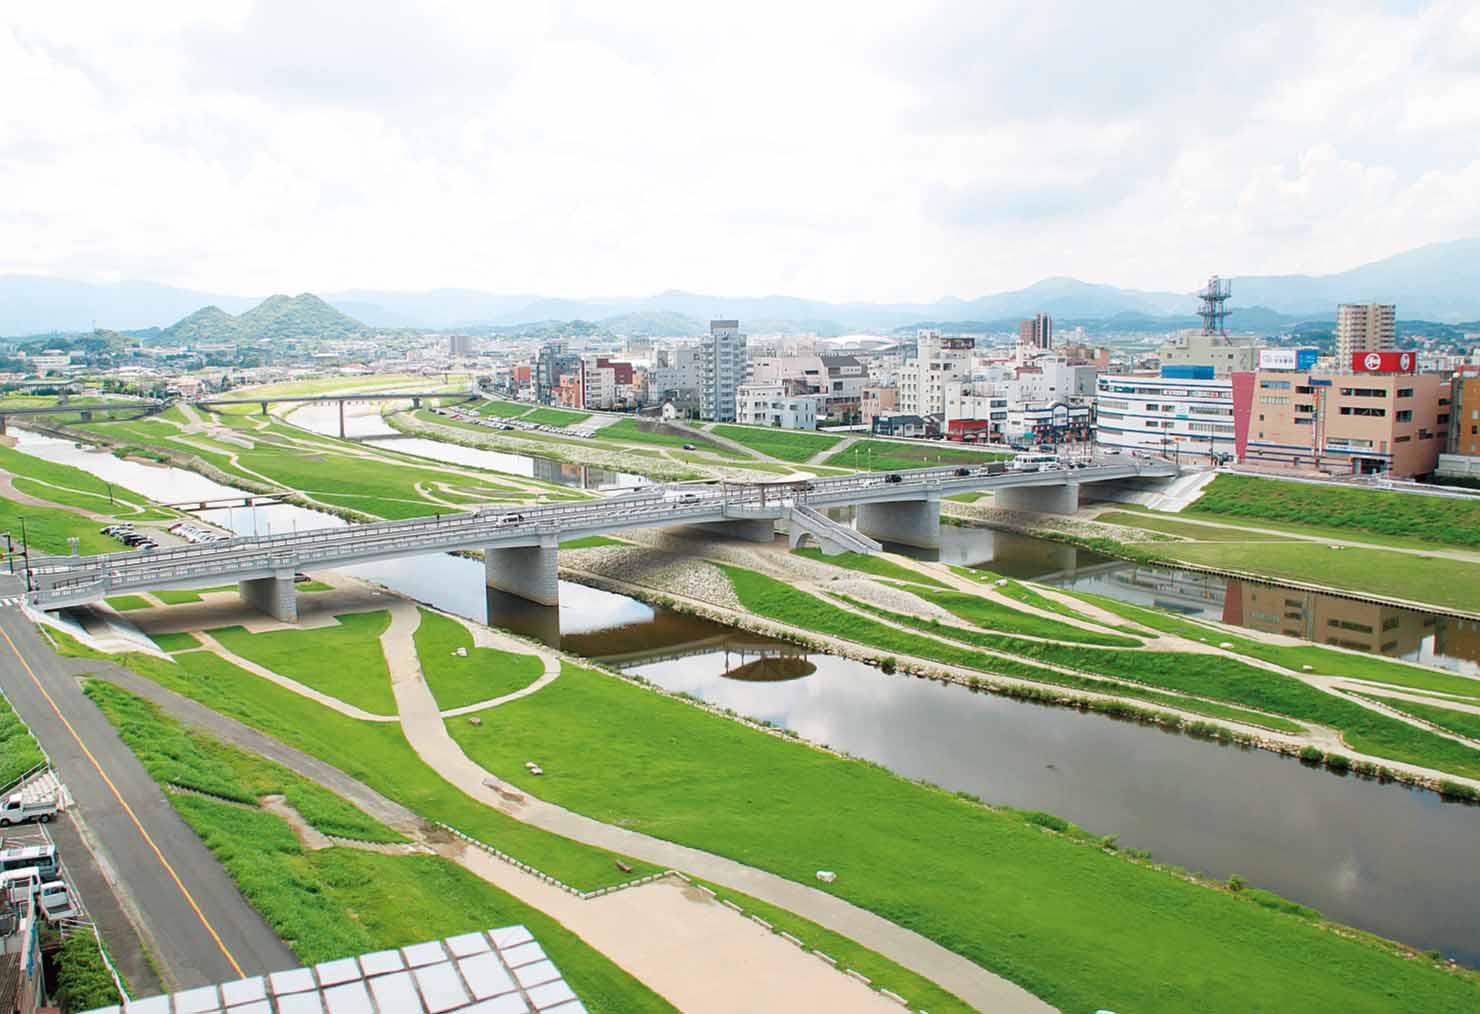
[723, 367]
[1164, 415]
[938, 362]
[771, 405]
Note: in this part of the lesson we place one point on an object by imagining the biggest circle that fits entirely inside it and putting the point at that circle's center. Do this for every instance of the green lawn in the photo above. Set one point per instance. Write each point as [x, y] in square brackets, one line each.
[1021, 592]
[1171, 526]
[126, 603]
[343, 661]
[377, 754]
[175, 642]
[784, 445]
[556, 417]
[1463, 723]
[1435, 519]
[591, 542]
[870, 565]
[48, 528]
[890, 455]
[175, 755]
[337, 902]
[1077, 926]
[18, 750]
[72, 487]
[631, 431]
[483, 674]
[1421, 579]
[1322, 661]
[991, 615]
[503, 409]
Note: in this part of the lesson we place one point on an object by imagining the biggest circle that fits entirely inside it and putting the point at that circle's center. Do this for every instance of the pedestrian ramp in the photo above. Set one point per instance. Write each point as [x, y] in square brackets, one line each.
[41, 786]
[833, 537]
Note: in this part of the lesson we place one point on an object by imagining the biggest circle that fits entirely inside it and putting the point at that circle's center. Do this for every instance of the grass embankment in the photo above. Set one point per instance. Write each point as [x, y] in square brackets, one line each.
[175, 755]
[19, 752]
[343, 661]
[48, 528]
[889, 455]
[1462, 723]
[781, 602]
[633, 432]
[1448, 520]
[175, 642]
[1076, 925]
[180, 596]
[555, 417]
[377, 754]
[1185, 529]
[1296, 658]
[592, 542]
[784, 445]
[503, 409]
[1021, 592]
[871, 565]
[72, 487]
[1222, 678]
[128, 603]
[989, 615]
[480, 675]
[82, 979]
[336, 902]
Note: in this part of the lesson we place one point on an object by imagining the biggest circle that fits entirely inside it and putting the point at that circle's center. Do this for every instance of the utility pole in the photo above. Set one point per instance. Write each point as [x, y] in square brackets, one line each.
[26, 551]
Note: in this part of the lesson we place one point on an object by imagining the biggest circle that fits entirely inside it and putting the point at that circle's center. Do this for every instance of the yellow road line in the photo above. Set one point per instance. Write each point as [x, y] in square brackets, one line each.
[126, 808]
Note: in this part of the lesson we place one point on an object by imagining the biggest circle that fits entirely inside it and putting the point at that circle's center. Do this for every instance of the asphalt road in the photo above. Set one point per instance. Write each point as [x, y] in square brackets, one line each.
[199, 927]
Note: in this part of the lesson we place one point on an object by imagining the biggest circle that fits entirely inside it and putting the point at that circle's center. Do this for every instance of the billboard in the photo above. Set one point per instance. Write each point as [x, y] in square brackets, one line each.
[1383, 362]
[1288, 359]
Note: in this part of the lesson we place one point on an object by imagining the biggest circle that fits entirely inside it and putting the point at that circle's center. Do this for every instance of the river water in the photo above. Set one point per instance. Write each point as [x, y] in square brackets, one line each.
[1392, 860]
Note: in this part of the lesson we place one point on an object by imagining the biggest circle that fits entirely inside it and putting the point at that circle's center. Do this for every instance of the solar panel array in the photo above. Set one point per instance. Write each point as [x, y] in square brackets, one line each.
[502, 971]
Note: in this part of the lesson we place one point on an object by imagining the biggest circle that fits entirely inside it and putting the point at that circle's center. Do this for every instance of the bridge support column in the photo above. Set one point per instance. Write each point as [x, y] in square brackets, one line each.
[264, 408]
[416, 403]
[1062, 499]
[2, 425]
[749, 529]
[274, 596]
[527, 571]
[907, 522]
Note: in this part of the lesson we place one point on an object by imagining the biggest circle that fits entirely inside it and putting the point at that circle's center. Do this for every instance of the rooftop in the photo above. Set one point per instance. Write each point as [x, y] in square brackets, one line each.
[502, 971]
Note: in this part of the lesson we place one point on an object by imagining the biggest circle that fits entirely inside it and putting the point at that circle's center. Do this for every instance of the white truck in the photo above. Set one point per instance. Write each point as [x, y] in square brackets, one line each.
[15, 810]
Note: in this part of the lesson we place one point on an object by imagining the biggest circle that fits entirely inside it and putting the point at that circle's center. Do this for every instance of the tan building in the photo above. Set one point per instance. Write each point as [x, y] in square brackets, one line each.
[1343, 423]
[1364, 327]
[1464, 416]
[1327, 619]
[1223, 353]
[1036, 333]
[877, 401]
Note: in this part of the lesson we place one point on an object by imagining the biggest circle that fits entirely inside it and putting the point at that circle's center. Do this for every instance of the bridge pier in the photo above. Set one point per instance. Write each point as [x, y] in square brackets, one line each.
[264, 408]
[416, 403]
[1062, 499]
[2, 425]
[907, 522]
[749, 529]
[274, 596]
[531, 572]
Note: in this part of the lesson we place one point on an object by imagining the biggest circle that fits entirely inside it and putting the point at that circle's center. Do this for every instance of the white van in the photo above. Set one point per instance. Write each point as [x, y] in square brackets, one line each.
[42, 857]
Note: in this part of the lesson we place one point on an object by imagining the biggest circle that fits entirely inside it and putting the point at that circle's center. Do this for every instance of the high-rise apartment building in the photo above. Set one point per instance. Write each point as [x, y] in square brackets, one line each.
[1036, 333]
[1364, 327]
[939, 361]
[724, 366]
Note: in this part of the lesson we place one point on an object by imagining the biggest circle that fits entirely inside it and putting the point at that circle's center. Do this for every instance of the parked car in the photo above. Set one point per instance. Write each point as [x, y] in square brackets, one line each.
[690, 447]
[963, 471]
[15, 810]
[894, 477]
[56, 902]
[511, 519]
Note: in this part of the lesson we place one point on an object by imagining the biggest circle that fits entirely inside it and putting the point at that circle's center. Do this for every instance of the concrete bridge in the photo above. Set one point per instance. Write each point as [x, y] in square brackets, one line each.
[520, 543]
[414, 397]
[87, 412]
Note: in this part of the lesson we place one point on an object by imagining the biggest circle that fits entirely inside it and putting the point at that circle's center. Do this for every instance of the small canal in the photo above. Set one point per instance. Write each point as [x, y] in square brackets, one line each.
[1385, 858]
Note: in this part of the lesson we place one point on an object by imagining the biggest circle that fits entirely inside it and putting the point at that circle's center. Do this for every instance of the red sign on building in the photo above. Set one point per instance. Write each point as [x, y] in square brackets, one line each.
[1383, 362]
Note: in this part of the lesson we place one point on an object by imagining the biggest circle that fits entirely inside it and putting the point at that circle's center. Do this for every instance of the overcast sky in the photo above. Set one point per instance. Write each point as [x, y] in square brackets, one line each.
[839, 151]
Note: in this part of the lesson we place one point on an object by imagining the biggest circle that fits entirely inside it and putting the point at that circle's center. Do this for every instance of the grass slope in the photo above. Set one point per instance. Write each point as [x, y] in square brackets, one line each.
[870, 565]
[19, 752]
[343, 661]
[889, 455]
[784, 445]
[483, 674]
[1075, 925]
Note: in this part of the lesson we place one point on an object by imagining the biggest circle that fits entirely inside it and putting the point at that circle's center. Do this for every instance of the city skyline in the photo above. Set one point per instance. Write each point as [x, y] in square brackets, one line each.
[258, 148]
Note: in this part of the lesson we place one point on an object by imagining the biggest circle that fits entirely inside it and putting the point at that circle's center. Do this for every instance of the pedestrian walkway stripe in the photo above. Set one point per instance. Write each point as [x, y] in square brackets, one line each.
[10, 600]
[189, 900]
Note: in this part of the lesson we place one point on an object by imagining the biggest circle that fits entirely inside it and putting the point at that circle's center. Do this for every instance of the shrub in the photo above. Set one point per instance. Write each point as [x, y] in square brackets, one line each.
[1455, 790]
[1047, 820]
[1310, 755]
[1336, 762]
[890, 664]
[83, 982]
[1237, 883]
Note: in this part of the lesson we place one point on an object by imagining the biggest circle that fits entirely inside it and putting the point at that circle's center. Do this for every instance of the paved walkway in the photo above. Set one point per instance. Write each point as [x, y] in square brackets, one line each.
[428, 735]
[198, 925]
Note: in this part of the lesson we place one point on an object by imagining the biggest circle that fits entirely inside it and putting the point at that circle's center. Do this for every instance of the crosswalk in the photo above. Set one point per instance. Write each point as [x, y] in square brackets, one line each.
[10, 600]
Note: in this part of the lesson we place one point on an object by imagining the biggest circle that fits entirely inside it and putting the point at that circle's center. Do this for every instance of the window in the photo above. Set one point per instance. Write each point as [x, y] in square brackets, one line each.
[1361, 628]
[1305, 408]
[1402, 440]
[1305, 390]
[1405, 392]
[1275, 385]
[1444, 419]
[1363, 392]
[1405, 415]
[1360, 410]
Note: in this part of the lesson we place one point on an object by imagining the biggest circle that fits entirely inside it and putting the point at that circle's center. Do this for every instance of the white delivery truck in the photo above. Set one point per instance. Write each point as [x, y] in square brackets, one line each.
[15, 810]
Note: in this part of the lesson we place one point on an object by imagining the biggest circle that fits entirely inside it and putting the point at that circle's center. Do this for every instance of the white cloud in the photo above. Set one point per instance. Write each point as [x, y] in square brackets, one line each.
[824, 150]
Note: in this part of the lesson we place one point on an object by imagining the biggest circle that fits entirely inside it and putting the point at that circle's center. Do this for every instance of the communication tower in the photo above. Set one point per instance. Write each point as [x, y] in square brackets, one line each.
[1213, 311]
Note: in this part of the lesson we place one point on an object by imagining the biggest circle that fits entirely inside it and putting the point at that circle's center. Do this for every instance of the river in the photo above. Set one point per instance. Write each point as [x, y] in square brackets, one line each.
[1385, 858]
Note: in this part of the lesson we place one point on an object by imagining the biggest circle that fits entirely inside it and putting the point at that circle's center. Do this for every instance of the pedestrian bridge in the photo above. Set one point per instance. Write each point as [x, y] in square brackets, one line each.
[520, 544]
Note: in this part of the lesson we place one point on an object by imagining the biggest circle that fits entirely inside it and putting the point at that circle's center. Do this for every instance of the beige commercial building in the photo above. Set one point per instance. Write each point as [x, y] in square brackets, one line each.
[1223, 353]
[1364, 327]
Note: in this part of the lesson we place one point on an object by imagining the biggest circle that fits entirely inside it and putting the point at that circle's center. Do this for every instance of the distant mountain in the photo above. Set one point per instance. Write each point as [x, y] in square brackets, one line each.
[1438, 282]
[31, 304]
[276, 318]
